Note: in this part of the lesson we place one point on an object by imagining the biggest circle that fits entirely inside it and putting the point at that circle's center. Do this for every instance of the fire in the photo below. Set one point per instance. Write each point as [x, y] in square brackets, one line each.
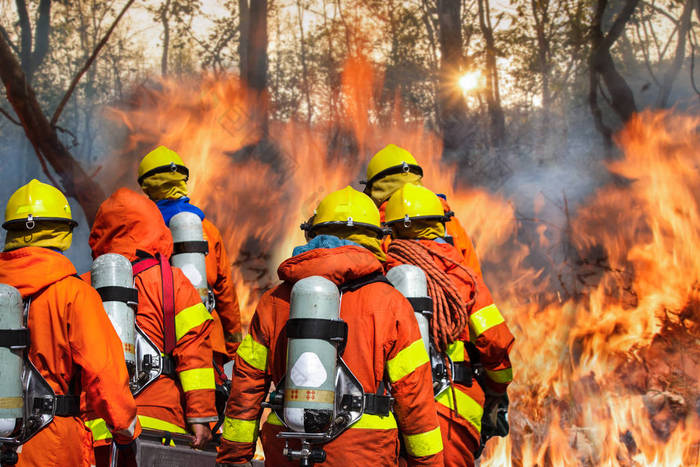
[606, 358]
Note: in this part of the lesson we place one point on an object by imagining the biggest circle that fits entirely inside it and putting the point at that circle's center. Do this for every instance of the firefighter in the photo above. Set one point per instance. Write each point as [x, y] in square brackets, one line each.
[390, 169]
[163, 177]
[72, 342]
[383, 348]
[169, 312]
[417, 219]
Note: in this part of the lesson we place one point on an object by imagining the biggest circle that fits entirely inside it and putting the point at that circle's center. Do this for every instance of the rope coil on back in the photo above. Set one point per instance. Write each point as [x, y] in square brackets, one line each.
[450, 311]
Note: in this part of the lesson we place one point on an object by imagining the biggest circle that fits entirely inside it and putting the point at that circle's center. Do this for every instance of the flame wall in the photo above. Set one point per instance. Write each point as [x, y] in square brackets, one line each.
[605, 374]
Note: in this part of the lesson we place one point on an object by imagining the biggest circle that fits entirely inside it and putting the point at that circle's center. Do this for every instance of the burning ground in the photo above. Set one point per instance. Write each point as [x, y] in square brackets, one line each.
[602, 296]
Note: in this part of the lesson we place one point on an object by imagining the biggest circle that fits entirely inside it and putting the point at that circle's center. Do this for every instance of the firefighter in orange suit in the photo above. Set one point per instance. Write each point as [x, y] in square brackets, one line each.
[416, 214]
[163, 177]
[72, 341]
[393, 167]
[384, 346]
[182, 400]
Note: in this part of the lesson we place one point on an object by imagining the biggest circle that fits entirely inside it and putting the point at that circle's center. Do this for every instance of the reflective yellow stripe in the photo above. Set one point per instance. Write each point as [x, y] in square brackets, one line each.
[485, 319]
[407, 360]
[456, 351]
[198, 378]
[467, 407]
[99, 429]
[157, 424]
[240, 431]
[375, 422]
[424, 444]
[254, 353]
[501, 376]
[190, 318]
[367, 421]
[273, 419]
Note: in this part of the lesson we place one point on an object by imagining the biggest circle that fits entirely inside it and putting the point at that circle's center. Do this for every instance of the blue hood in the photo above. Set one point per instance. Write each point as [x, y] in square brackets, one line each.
[170, 207]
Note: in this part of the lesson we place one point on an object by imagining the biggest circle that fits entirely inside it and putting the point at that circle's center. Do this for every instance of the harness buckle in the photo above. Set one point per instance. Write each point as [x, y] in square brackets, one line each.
[31, 223]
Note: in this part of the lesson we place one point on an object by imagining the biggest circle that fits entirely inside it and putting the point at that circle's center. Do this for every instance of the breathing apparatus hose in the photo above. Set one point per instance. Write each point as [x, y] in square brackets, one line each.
[450, 311]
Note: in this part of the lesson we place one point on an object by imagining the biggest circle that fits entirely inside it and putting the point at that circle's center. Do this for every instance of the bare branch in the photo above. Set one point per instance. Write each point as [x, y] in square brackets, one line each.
[12, 45]
[672, 73]
[87, 64]
[692, 63]
[645, 53]
[41, 36]
[9, 117]
[25, 31]
[619, 24]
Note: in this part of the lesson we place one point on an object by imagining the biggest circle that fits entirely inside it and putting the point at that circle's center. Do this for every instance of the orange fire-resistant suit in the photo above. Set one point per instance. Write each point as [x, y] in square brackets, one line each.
[129, 224]
[75, 348]
[455, 230]
[383, 342]
[226, 331]
[461, 424]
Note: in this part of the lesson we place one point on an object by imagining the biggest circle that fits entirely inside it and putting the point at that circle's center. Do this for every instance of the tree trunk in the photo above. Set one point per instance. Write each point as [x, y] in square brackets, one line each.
[540, 13]
[257, 46]
[31, 59]
[452, 107]
[43, 137]
[493, 93]
[253, 56]
[165, 21]
[603, 66]
[244, 37]
[672, 73]
[304, 66]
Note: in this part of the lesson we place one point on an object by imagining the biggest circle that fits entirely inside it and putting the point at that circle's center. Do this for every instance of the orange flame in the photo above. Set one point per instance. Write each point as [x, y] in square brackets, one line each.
[606, 375]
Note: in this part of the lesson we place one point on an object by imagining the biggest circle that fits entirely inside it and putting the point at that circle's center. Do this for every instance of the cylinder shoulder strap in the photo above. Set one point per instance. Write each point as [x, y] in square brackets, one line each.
[168, 305]
[351, 286]
[167, 282]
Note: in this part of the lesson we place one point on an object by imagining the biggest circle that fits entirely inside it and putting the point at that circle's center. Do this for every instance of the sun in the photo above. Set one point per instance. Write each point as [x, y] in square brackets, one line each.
[470, 81]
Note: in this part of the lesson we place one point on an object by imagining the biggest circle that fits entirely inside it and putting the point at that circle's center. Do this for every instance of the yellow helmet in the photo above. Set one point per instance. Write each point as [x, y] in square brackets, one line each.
[161, 160]
[413, 202]
[347, 207]
[36, 202]
[391, 160]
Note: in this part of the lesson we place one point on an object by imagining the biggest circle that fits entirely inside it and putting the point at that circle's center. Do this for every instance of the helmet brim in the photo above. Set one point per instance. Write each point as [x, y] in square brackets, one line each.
[20, 224]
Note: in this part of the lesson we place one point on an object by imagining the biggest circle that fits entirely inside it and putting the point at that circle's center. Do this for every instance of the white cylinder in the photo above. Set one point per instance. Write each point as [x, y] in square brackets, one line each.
[186, 228]
[411, 282]
[309, 388]
[11, 362]
[113, 270]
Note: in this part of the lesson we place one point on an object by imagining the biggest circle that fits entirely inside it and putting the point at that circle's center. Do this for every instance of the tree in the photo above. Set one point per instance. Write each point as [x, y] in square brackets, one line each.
[602, 66]
[42, 133]
[493, 93]
[452, 108]
[43, 136]
[253, 57]
[175, 16]
[31, 58]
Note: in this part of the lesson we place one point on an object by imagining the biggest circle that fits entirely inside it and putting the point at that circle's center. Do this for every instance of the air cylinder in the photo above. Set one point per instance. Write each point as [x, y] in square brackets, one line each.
[411, 282]
[189, 250]
[11, 362]
[113, 277]
[309, 388]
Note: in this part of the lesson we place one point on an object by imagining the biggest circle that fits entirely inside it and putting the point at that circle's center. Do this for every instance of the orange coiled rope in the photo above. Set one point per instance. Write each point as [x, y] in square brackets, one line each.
[450, 311]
